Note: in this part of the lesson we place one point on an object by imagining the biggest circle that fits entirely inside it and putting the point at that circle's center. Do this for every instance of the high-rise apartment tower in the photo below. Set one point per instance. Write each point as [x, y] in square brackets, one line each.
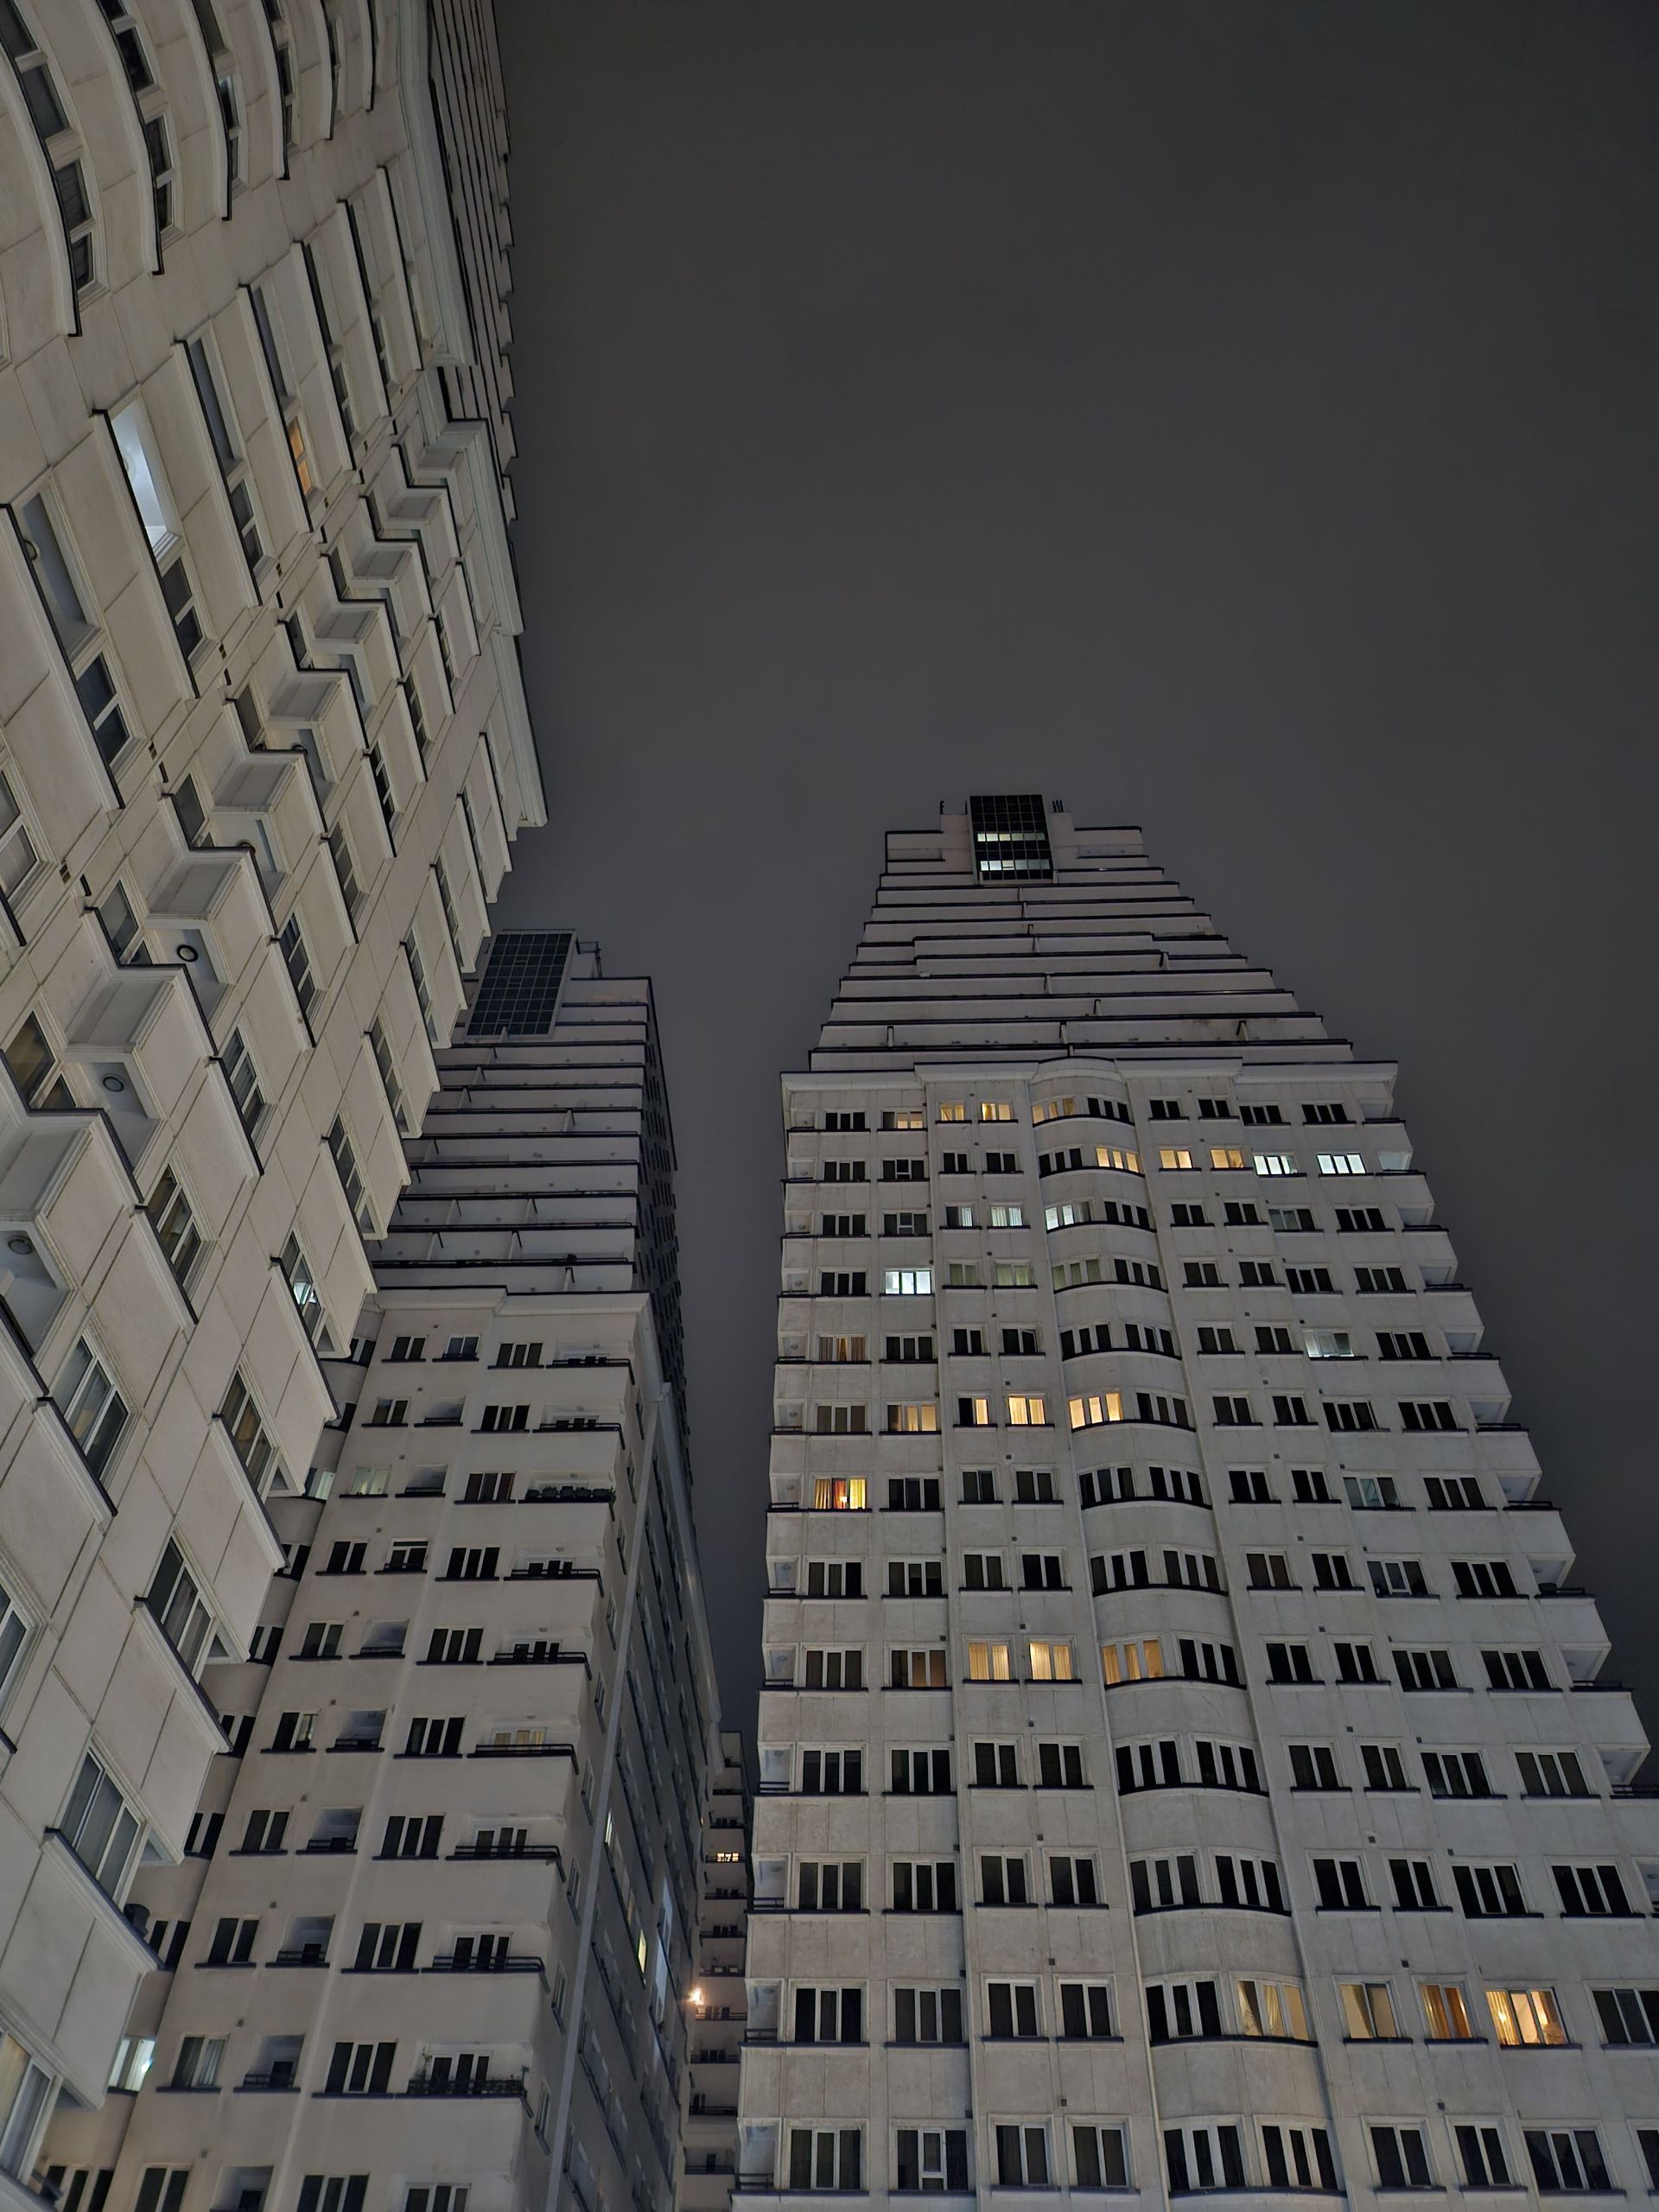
[1183, 1762]
[432, 1945]
[262, 746]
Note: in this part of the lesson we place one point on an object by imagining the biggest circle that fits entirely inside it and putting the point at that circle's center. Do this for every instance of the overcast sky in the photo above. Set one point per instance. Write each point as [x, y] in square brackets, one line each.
[1236, 419]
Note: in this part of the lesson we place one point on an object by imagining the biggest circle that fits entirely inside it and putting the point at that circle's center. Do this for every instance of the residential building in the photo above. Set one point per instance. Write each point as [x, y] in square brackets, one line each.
[1184, 1764]
[433, 1942]
[719, 2003]
[263, 750]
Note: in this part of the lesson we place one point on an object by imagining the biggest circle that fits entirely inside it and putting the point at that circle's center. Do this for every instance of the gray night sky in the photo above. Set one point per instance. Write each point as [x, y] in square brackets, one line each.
[1236, 419]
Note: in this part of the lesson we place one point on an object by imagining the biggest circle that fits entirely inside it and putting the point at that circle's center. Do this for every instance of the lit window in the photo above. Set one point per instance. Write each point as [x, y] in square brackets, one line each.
[1368, 2012]
[1110, 1155]
[1142, 1661]
[1446, 2010]
[1526, 2017]
[1026, 1411]
[1052, 1662]
[1094, 1411]
[839, 1494]
[988, 1662]
[1175, 1156]
[1275, 1163]
[953, 1110]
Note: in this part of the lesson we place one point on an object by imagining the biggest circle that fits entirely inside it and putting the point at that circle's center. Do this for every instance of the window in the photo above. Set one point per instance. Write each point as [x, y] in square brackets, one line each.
[1180, 2010]
[26, 2099]
[1205, 2155]
[1489, 1893]
[1034, 1486]
[1413, 1885]
[175, 1602]
[1003, 1878]
[161, 2189]
[1566, 2159]
[100, 1826]
[911, 1670]
[1368, 2012]
[1456, 1774]
[1516, 1670]
[1372, 1493]
[829, 2015]
[1021, 2156]
[1590, 1892]
[1140, 1661]
[1401, 2157]
[988, 1662]
[825, 2158]
[1072, 1881]
[244, 1084]
[1026, 1411]
[227, 451]
[94, 1412]
[830, 1885]
[1011, 2008]
[1453, 1494]
[198, 2062]
[1313, 1766]
[927, 2016]
[923, 1885]
[1528, 2016]
[1095, 1411]
[931, 2157]
[907, 1282]
[982, 1571]
[1175, 1158]
[1085, 2010]
[298, 962]
[1059, 1766]
[302, 1287]
[18, 858]
[1481, 2154]
[1551, 1774]
[329, 2193]
[1445, 2009]
[839, 1494]
[915, 1420]
[1425, 1670]
[1425, 1414]
[1384, 1768]
[1627, 2016]
[1398, 1577]
[1341, 1884]
[169, 1216]
[832, 1773]
[1052, 1662]
[1273, 2009]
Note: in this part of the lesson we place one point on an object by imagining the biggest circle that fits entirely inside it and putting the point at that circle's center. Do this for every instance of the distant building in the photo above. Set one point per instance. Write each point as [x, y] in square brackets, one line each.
[1185, 1766]
[719, 2003]
[263, 749]
[434, 1941]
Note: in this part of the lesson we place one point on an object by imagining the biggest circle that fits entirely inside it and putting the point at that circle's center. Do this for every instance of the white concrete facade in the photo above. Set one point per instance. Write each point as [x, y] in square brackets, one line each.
[1183, 1765]
[263, 748]
[433, 1944]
